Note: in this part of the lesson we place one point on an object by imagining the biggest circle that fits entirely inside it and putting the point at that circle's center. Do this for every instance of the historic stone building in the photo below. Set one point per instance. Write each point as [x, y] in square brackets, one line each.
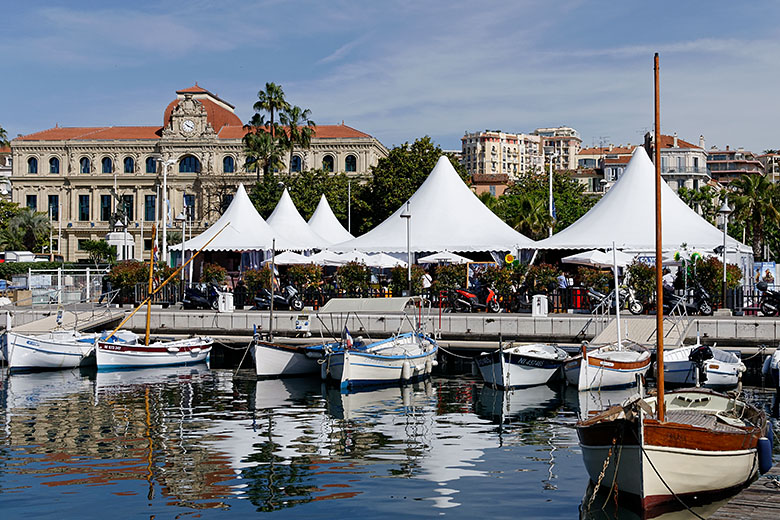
[84, 175]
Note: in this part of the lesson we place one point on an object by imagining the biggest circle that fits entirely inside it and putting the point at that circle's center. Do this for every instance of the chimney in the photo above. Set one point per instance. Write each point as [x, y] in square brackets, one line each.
[675, 140]
[701, 142]
[611, 146]
[727, 148]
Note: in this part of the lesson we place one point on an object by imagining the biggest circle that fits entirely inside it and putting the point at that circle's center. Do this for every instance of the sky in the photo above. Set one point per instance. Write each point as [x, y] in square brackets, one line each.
[402, 69]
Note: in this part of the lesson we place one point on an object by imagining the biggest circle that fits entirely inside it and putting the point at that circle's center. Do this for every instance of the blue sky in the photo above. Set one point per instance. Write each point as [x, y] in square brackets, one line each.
[403, 69]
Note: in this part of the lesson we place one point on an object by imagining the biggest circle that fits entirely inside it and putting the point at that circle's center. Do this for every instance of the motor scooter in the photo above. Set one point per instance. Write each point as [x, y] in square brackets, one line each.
[770, 299]
[697, 302]
[287, 298]
[462, 300]
[200, 297]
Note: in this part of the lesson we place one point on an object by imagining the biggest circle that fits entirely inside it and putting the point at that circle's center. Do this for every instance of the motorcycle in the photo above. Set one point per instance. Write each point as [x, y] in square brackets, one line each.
[287, 298]
[770, 299]
[697, 302]
[462, 300]
[626, 297]
[200, 297]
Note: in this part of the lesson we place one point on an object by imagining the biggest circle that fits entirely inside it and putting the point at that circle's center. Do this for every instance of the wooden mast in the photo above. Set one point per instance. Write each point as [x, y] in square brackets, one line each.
[151, 278]
[659, 308]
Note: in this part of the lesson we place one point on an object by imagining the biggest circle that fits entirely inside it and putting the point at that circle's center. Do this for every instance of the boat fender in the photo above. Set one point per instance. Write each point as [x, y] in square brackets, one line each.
[428, 366]
[435, 363]
[764, 455]
[406, 371]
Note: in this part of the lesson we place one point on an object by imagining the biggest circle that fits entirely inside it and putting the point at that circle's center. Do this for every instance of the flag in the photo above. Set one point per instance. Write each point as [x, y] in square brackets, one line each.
[346, 337]
[553, 210]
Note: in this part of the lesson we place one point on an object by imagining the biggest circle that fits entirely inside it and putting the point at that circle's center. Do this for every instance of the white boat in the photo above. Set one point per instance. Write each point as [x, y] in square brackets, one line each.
[518, 405]
[274, 359]
[400, 359]
[521, 365]
[55, 349]
[112, 356]
[722, 369]
[610, 366]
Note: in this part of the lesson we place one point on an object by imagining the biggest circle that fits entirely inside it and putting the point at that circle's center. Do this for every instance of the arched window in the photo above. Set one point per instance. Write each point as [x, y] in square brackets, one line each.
[84, 165]
[32, 165]
[108, 166]
[295, 165]
[54, 165]
[350, 165]
[151, 165]
[129, 165]
[228, 164]
[189, 164]
[327, 163]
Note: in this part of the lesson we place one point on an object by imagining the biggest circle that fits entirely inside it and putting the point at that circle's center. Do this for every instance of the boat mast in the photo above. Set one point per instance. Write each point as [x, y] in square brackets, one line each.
[271, 300]
[659, 308]
[151, 278]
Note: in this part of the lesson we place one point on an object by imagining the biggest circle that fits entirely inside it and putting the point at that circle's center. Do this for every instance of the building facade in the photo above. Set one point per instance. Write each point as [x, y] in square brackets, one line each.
[5, 172]
[85, 177]
[683, 164]
[561, 144]
[726, 165]
[493, 158]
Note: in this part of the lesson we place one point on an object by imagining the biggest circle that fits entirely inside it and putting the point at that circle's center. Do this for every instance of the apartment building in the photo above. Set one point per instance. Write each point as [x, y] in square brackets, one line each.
[726, 165]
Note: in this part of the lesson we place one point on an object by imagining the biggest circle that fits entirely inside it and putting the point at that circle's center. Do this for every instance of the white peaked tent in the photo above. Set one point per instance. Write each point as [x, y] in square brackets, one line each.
[625, 215]
[446, 215]
[325, 224]
[246, 230]
[287, 222]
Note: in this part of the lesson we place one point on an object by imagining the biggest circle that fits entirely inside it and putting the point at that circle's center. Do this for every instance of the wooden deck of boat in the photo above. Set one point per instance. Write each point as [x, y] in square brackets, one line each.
[761, 500]
[78, 320]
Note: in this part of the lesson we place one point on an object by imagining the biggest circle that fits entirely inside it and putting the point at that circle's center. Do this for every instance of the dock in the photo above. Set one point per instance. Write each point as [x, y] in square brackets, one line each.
[761, 500]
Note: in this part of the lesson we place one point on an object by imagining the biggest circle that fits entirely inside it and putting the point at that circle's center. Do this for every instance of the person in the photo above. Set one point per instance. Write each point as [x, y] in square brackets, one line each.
[107, 288]
[668, 279]
[427, 280]
[562, 282]
[768, 278]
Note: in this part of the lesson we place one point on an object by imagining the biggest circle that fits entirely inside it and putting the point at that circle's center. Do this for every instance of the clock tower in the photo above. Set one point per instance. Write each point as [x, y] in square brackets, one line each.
[188, 119]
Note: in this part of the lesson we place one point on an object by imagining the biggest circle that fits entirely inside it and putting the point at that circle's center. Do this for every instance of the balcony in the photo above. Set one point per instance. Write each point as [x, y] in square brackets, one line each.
[489, 178]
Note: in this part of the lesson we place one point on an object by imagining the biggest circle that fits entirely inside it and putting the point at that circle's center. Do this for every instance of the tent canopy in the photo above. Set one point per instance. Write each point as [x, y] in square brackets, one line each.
[444, 257]
[377, 305]
[445, 214]
[287, 222]
[325, 224]
[246, 230]
[625, 215]
[601, 259]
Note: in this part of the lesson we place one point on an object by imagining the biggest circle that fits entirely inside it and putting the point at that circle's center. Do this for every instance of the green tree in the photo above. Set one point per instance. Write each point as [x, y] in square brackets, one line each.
[528, 214]
[756, 206]
[396, 177]
[704, 201]
[263, 151]
[4, 138]
[8, 210]
[99, 251]
[271, 100]
[28, 229]
[299, 132]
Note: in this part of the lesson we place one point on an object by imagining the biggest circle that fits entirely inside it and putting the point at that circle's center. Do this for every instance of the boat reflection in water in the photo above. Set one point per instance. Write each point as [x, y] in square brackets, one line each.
[591, 402]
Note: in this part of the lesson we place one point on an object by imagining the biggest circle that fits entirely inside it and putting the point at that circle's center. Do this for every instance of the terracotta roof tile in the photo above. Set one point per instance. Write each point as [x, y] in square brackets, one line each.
[604, 150]
[5, 149]
[668, 140]
[218, 116]
[322, 132]
[100, 133]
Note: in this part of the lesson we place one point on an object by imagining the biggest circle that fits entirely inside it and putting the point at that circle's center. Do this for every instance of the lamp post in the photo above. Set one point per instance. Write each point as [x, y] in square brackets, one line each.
[182, 217]
[550, 152]
[165, 165]
[407, 214]
[349, 206]
[725, 211]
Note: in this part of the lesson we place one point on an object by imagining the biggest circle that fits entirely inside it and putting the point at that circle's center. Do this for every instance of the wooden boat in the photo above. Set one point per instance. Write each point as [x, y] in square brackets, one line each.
[274, 359]
[521, 365]
[610, 366]
[112, 356]
[677, 445]
[723, 369]
[52, 350]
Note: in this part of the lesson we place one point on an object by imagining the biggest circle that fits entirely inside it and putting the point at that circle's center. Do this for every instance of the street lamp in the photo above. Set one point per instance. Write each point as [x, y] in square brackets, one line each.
[349, 206]
[165, 165]
[724, 212]
[182, 217]
[407, 214]
[550, 152]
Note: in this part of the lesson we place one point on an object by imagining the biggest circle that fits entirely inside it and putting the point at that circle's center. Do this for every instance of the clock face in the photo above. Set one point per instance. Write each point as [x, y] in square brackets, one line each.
[188, 125]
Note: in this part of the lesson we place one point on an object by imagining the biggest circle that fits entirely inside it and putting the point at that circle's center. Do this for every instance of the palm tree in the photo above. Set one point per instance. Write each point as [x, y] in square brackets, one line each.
[264, 151]
[30, 227]
[3, 138]
[11, 240]
[271, 100]
[754, 205]
[300, 129]
[533, 218]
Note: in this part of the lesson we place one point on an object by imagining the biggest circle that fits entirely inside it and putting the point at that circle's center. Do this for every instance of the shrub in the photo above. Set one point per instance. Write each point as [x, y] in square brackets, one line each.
[709, 274]
[542, 278]
[506, 278]
[641, 278]
[597, 279]
[127, 273]
[305, 276]
[213, 273]
[353, 277]
[399, 282]
[255, 279]
[8, 269]
[446, 277]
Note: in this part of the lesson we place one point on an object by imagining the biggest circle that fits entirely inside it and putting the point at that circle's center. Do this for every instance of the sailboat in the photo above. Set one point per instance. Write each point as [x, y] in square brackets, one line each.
[110, 355]
[679, 445]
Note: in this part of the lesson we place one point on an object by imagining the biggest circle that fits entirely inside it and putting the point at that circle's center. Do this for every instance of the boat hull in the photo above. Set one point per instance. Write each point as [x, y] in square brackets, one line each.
[596, 372]
[351, 368]
[280, 360]
[113, 356]
[516, 370]
[49, 351]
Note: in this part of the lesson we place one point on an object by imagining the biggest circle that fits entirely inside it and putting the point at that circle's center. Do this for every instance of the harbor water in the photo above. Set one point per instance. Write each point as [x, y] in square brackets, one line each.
[195, 442]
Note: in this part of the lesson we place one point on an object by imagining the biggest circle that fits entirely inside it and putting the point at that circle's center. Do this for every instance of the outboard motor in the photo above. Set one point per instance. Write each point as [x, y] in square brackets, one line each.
[698, 357]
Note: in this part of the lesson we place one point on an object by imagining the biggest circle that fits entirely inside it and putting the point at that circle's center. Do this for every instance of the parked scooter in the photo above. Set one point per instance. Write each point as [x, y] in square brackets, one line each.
[486, 298]
[200, 297]
[627, 300]
[287, 298]
[770, 299]
[698, 301]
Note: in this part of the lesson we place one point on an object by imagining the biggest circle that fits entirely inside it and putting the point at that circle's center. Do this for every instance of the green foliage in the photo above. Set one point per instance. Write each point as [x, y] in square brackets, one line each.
[213, 273]
[597, 279]
[127, 273]
[506, 277]
[757, 207]
[4, 138]
[446, 277]
[705, 201]
[27, 230]
[8, 210]
[255, 279]
[396, 177]
[8, 269]
[709, 273]
[99, 251]
[399, 282]
[263, 152]
[542, 277]
[353, 277]
[305, 276]
[641, 278]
